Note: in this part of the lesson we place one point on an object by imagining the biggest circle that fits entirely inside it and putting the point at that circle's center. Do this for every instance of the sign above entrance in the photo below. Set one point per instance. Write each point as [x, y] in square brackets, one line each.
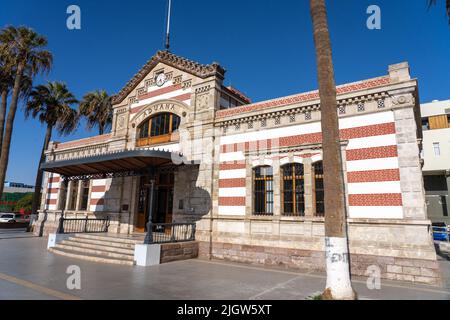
[161, 107]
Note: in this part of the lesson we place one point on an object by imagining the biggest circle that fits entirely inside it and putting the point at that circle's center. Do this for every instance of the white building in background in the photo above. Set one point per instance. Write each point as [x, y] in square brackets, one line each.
[436, 156]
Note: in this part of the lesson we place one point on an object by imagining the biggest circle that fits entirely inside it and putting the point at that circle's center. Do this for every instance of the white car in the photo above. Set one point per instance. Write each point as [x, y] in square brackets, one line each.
[7, 217]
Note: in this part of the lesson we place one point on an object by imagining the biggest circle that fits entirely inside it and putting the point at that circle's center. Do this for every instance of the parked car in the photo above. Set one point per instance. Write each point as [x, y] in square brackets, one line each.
[7, 218]
[22, 218]
[440, 231]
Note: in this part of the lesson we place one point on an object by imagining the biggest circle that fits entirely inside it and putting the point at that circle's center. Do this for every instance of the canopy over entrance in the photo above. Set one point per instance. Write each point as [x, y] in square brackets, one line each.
[132, 162]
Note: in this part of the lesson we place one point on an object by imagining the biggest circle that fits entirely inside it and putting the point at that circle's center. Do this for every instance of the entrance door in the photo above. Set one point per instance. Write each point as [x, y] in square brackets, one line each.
[163, 200]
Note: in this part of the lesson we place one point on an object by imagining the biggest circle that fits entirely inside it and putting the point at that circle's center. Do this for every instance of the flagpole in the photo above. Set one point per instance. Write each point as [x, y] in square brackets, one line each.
[168, 25]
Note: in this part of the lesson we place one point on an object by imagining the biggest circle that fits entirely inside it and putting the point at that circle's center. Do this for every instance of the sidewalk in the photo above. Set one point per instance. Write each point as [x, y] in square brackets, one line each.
[29, 271]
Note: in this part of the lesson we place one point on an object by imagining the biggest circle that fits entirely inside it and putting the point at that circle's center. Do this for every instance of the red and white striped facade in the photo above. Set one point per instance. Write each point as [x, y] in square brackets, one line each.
[52, 198]
[371, 155]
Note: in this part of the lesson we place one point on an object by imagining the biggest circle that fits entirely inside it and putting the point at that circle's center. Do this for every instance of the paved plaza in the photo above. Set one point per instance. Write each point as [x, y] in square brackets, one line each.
[29, 271]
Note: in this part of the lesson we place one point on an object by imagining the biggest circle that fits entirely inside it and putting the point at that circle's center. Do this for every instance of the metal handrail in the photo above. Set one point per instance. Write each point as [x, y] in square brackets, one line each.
[83, 225]
[169, 232]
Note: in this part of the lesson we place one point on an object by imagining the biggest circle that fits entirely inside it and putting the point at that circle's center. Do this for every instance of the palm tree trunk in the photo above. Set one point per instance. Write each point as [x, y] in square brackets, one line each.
[3, 104]
[38, 182]
[4, 157]
[336, 245]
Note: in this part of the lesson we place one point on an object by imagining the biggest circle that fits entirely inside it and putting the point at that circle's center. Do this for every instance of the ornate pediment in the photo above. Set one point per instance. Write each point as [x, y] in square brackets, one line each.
[167, 58]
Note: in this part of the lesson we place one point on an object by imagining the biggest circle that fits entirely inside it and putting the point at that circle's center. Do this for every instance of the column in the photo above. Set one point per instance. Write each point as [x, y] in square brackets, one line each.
[309, 199]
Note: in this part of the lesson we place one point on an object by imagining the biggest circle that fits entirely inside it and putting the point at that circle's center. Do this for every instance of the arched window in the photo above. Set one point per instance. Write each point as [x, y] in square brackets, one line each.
[293, 189]
[263, 190]
[158, 129]
[318, 189]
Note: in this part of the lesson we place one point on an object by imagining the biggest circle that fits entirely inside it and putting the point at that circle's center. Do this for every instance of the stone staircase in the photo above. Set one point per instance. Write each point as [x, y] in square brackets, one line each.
[99, 248]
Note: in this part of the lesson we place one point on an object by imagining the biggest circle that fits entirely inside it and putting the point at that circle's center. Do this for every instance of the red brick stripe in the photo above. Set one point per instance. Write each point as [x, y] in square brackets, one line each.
[159, 92]
[52, 190]
[232, 183]
[383, 200]
[345, 134]
[240, 162]
[231, 166]
[54, 179]
[51, 201]
[83, 142]
[98, 189]
[232, 201]
[182, 97]
[373, 176]
[367, 131]
[96, 202]
[372, 153]
[300, 139]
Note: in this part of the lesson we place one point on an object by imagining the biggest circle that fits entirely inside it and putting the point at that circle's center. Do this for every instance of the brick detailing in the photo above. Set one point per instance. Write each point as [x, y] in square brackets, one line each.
[308, 96]
[374, 176]
[367, 131]
[232, 201]
[372, 153]
[232, 183]
[84, 142]
[345, 134]
[381, 199]
[159, 92]
[54, 179]
[402, 269]
[53, 185]
[97, 202]
[98, 189]
[231, 166]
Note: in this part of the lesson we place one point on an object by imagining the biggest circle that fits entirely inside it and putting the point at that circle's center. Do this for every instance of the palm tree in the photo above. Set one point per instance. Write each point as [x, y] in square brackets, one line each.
[447, 7]
[336, 245]
[6, 83]
[5, 87]
[51, 104]
[96, 106]
[23, 50]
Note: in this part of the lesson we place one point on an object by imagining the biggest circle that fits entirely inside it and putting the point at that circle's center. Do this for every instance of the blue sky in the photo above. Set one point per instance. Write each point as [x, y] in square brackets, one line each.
[265, 45]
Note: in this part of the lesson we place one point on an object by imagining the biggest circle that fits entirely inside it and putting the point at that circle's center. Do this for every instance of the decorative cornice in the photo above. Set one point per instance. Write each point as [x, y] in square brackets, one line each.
[192, 67]
[304, 97]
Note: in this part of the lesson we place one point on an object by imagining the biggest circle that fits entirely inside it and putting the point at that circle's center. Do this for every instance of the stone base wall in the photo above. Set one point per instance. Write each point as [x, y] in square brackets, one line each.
[392, 268]
[179, 251]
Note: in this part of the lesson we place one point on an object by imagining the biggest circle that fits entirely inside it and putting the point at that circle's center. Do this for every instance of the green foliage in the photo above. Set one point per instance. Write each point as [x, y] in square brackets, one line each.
[24, 203]
[51, 104]
[96, 106]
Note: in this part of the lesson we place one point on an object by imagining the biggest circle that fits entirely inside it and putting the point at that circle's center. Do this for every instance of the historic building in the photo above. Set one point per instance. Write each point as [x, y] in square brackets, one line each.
[250, 174]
